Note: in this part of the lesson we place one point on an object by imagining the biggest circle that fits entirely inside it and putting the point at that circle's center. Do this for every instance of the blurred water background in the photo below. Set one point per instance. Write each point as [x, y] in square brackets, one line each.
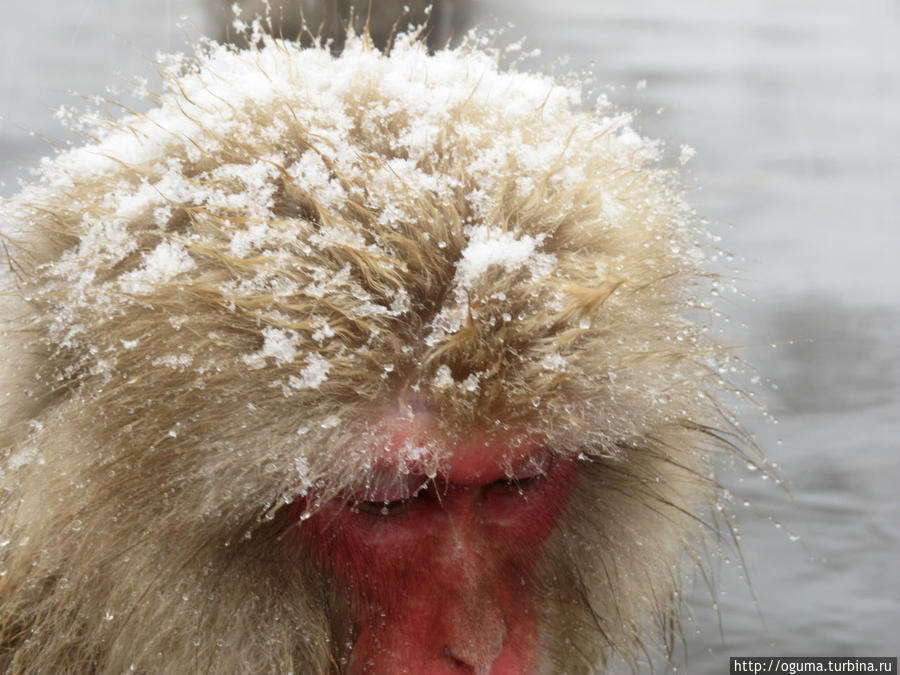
[793, 107]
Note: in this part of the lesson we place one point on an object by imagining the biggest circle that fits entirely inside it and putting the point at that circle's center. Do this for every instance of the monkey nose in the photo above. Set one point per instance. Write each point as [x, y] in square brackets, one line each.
[475, 655]
[464, 665]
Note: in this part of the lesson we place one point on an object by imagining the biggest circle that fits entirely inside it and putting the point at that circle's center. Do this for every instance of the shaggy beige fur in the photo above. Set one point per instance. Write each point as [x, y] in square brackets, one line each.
[211, 302]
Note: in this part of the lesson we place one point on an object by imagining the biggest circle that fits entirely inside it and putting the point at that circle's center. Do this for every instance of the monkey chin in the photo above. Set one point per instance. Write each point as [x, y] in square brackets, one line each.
[369, 363]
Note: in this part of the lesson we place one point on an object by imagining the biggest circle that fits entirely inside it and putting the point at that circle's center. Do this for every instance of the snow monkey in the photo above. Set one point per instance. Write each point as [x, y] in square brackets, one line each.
[377, 363]
[443, 20]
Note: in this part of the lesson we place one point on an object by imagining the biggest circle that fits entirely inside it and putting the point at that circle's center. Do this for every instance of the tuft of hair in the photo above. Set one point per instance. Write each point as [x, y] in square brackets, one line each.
[328, 22]
[211, 304]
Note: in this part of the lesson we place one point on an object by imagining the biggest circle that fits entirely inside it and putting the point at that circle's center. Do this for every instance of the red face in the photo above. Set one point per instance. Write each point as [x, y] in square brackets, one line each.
[440, 571]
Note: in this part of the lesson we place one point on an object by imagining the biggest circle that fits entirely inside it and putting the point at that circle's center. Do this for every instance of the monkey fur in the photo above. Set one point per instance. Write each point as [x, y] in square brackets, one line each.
[207, 305]
[328, 20]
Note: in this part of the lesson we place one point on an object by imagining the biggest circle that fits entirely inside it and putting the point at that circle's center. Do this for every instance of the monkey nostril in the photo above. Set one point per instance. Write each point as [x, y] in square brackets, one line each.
[456, 663]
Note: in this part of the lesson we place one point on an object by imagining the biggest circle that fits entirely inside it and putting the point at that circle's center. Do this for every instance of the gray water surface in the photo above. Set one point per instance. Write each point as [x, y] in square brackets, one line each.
[794, 110]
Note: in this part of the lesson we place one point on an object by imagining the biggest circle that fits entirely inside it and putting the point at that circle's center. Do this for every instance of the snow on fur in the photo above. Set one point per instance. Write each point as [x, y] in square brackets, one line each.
[272, 180]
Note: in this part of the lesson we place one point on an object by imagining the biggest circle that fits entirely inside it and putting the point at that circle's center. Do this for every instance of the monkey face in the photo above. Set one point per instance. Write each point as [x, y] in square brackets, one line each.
[438, 570]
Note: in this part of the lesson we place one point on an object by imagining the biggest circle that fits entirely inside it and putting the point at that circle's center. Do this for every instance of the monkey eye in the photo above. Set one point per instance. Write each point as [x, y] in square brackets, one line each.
[525, 475]
[387, 497]
[516, 485]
